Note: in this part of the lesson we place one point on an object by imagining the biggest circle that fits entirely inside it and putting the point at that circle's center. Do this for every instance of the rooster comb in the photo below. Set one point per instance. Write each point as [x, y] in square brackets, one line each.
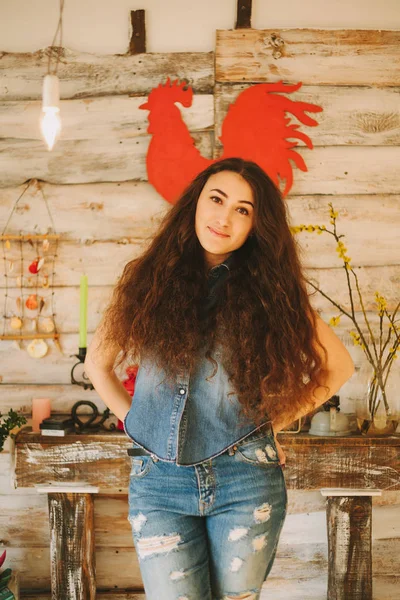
[174, 83]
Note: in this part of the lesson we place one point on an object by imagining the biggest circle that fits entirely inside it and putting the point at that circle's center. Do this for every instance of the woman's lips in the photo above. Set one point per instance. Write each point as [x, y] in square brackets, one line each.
[216, 233]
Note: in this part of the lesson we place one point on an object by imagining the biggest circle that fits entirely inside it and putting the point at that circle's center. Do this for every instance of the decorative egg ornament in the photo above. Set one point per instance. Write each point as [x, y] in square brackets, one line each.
[47, 325]
[37, 348]
[33, 267]
[15, 323]
[31, 302]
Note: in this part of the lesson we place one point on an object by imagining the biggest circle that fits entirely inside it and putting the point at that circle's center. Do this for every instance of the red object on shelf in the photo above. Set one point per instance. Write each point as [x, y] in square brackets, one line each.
[129, 385]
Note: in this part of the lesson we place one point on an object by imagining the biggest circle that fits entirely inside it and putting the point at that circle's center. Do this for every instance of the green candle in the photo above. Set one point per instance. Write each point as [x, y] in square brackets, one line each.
[83, 311]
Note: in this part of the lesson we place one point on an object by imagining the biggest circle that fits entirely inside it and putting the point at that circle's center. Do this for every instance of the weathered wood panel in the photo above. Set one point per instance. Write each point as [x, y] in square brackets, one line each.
[385, 588]
[351, 115]
[349, 522]
[120, 595]
[25, 522]
[107, 117]
[347, 170]
[72, 550]
[81, 161]
[312, 462]
[19, 397]
[127, 214]
[386, 279]
[114, 568]
[55, 367]
[313, 56]
[294, 563]
[82, 74]
[331, 170]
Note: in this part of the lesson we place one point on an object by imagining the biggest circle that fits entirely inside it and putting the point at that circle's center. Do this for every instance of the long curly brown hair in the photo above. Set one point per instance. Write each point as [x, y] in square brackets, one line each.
[263, 317]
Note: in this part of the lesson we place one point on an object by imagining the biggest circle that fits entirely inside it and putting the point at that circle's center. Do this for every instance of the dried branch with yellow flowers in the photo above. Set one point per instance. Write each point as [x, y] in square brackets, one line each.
[380, 353]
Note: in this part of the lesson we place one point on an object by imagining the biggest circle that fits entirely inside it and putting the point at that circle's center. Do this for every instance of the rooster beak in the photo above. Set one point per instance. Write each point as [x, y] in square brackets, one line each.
[145, 106]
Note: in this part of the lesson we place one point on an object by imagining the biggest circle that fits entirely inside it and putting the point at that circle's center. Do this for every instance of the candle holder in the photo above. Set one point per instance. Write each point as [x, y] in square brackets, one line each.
[85, 382]
[91, 425]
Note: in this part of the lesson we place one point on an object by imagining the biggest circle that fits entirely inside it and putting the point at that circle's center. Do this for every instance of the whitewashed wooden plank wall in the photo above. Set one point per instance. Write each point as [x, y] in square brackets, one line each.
[106, 211]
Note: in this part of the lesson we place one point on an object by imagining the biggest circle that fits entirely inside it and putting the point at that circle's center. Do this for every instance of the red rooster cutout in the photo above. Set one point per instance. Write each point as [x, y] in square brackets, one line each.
[256, 128]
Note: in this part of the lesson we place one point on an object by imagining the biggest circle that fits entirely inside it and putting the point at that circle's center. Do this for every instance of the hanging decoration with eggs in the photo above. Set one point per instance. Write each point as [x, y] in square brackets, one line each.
[29, 260]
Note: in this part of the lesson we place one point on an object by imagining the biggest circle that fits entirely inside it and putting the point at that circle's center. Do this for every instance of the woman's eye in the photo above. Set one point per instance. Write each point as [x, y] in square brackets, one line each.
[218, 199]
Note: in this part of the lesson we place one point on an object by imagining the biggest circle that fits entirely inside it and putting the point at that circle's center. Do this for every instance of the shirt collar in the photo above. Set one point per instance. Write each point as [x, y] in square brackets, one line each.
[227, 264]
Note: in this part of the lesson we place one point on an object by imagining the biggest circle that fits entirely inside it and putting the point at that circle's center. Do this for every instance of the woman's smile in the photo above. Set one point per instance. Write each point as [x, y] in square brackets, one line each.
[217, 233]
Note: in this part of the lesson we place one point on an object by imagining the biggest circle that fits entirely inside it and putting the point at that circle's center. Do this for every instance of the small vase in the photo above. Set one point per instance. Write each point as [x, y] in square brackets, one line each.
[374, 418]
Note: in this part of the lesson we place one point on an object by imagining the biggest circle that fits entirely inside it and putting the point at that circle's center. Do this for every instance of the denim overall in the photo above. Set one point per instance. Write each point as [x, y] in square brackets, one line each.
[207, 494]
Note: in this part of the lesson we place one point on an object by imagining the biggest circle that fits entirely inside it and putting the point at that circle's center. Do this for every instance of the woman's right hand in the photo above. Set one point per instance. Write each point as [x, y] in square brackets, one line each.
[281, 454]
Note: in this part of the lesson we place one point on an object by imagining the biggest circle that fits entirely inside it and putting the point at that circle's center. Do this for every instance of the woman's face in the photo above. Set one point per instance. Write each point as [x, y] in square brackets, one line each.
[224, 215]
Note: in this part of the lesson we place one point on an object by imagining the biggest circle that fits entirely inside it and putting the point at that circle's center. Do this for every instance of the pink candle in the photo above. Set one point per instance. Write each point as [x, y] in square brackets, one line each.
[41, 409]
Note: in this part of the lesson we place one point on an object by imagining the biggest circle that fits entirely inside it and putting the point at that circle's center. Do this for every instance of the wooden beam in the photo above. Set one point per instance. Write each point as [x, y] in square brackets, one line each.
[72, 546]
[312, 462]
[243, 14]
[137, 44]
[349, 523]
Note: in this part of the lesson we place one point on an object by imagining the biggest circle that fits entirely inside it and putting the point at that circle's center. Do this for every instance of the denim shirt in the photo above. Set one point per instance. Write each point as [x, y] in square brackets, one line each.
[192, 419]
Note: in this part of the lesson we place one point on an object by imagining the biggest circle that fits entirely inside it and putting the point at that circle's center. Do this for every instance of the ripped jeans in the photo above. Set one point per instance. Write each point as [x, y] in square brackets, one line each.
[210, 531]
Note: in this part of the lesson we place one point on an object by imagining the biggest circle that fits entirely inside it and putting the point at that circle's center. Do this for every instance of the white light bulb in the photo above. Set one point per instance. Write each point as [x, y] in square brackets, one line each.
[50, 122]
[50, 125]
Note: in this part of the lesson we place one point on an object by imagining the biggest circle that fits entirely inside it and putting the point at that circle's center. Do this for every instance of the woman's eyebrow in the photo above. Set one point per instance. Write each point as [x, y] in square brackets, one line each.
[223, 194]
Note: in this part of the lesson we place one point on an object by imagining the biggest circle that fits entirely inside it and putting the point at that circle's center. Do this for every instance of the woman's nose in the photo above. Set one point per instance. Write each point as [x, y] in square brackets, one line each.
[224, 218]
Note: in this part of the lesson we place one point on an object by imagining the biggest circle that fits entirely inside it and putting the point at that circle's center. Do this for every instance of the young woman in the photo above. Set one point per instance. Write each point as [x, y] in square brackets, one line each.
[217, 314]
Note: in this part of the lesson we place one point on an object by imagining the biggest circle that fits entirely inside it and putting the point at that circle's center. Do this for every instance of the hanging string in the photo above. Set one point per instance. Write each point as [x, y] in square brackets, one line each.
[4, 237]
[59, 29]
[6, 286]
[15, 205]
[54, 257]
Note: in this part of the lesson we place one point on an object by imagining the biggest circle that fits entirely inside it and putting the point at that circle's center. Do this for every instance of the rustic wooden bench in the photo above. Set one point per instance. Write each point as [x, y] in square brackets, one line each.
[101, 460]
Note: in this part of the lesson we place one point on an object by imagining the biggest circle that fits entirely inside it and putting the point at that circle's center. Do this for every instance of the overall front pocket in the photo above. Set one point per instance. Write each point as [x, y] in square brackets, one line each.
[140, 466]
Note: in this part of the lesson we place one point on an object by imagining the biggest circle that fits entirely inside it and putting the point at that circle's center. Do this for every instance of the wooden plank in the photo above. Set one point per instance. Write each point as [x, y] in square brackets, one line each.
[103, 160]
[72, 557]
[331, 170]
[24, 519]
[115, 118]
[127, 214]
[137, 43]
[385, 588]
[301, 562]
[115, 568]
[312, 462]
[19, 397]
[82, 74]
[119, 595]
[386, 279]
[55, 367]
[334, 170]
[349, 548]
[354, 116]
[313, 56]
[105, 460]
[243, 14]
